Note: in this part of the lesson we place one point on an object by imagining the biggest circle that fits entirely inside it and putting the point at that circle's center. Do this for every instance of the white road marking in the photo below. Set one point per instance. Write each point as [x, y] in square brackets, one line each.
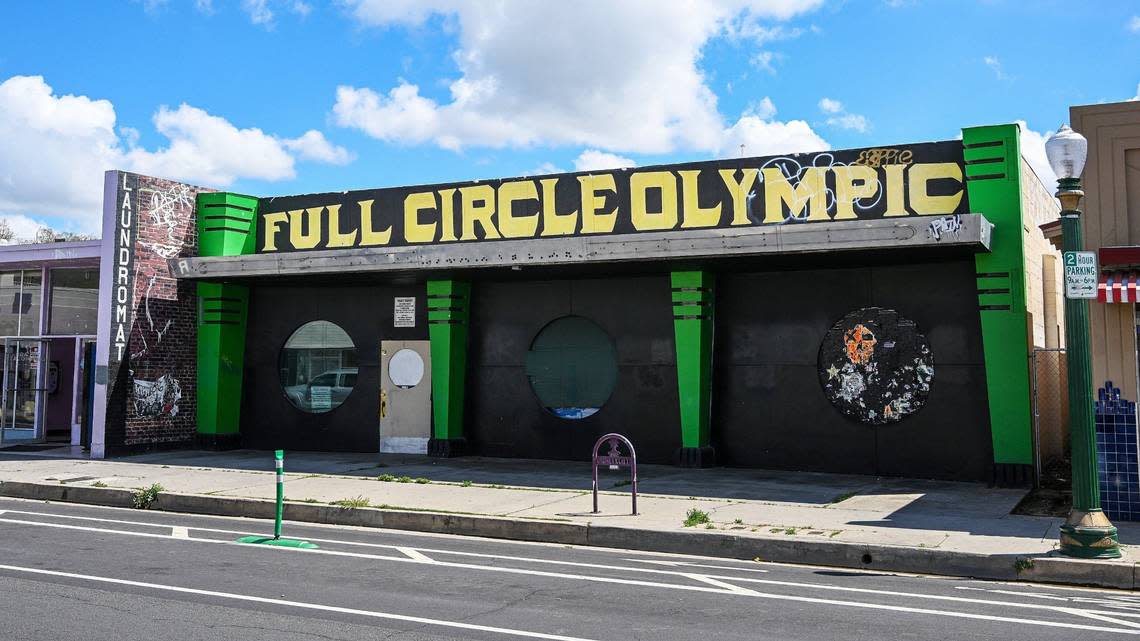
[412, 553]
[736, 590]
[179, 532]
[696, 565]
[1101, 617]
[296, 604]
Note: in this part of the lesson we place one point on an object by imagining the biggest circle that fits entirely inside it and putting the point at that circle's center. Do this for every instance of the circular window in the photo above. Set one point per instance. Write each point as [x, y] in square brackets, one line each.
[572, 367]
[406, 369]
[318, 367]
[875, 366]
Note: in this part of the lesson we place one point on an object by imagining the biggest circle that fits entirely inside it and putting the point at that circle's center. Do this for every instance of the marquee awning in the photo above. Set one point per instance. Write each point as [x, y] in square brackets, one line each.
[964, 232]
[1118, 287]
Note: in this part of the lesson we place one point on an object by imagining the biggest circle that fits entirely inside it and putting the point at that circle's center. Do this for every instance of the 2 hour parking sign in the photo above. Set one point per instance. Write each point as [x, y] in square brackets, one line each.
[1080, 274]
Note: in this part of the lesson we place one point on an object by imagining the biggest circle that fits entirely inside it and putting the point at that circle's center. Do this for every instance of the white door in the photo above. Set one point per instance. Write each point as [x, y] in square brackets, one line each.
[405, 396]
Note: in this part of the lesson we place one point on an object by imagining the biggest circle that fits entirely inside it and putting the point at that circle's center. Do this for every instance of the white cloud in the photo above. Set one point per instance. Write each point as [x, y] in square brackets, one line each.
[1033, 149]
[56, 148]
[23, 227]
[762, 137]
[1137, 96]
[312, 145]
[259, 12]
[592, 159]
[546, 168]
[762, 60]
[995, 65]
[764, 110]
[829, 106]
[838, 116]
[1134, 24]
[526, 79]
[301, 8]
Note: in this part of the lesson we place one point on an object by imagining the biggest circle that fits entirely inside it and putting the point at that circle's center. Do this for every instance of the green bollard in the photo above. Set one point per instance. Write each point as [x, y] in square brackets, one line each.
[279, 461]
[279, 465]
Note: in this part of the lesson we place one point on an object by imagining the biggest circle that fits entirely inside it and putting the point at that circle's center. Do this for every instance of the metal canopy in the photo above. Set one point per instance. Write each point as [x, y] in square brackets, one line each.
[969, 232]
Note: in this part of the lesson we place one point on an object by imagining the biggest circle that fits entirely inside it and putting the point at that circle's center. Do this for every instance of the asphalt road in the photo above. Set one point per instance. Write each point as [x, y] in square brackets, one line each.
[77, 572]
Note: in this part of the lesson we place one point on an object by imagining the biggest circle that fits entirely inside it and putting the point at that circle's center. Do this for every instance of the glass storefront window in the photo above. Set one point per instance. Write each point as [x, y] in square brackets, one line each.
[572, 367]
[318, 367]
[74, 307]
[20, 303]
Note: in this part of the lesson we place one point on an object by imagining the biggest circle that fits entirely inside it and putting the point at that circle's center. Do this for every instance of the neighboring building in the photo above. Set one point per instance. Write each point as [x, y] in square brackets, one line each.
[869, 311]
[1111, 226]
[49, 298]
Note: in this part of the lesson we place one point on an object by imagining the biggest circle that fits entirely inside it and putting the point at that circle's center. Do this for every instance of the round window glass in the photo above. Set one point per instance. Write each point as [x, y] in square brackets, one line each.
[318, 367]
[406, 369]
[572, 367]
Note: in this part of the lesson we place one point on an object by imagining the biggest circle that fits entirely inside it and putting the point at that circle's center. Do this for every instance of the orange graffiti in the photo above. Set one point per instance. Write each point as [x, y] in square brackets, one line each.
[860, 343]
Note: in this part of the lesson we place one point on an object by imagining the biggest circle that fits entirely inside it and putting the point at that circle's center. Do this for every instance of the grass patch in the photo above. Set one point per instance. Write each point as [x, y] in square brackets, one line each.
[359, 501]
[387, 478]
[467, 484]
[98, 484]
[143, 498]
[403, 479]
[738, 521]
[422, 481]
[1021, 564]
[790, 531]
[696, 517]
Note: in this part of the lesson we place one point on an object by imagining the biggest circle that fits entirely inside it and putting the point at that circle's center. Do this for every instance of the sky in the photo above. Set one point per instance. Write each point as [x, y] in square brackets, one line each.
[273, 97]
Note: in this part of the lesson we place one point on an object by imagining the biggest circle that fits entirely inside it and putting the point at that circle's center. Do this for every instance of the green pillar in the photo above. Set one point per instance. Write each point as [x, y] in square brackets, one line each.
[449, 312]
[226, 227]
[993, 182]
[693, 302]
[1087, 533]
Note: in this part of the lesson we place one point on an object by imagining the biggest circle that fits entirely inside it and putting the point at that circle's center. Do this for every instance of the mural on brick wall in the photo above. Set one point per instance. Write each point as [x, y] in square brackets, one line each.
[875, 367]
[154, 317]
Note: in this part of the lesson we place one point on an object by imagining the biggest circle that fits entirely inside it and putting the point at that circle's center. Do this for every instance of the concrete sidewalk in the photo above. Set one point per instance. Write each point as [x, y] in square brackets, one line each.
[856, 521]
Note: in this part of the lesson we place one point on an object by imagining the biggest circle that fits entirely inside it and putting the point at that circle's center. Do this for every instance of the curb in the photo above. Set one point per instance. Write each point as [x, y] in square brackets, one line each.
[1041, 568]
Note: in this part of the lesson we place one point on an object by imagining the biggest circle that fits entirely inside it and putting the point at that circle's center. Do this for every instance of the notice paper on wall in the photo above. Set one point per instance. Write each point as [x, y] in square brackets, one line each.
[405, 313]
[320, 398]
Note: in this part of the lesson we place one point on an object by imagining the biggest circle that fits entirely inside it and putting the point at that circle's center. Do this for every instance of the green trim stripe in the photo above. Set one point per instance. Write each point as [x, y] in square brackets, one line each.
[993, 182]
[448, 304]
[693, 295]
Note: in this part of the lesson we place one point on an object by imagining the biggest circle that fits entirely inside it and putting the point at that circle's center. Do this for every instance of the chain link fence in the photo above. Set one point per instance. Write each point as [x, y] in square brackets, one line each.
[1048, 370]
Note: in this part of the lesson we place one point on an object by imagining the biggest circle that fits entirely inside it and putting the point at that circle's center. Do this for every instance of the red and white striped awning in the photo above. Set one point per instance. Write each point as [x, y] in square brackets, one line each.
[1118, 287]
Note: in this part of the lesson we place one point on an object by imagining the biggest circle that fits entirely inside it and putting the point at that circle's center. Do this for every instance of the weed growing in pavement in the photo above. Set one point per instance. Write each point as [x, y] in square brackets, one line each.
[710, 526]
[1021, 564]
[696, 517]
[387, 478]
[422, 481]
[359, 501]
[309, 500]
[403, 479]
[142, 499]
[839, 498]
[833, 534]
[738, 521]
[790, 531]
[467, 484]
[98, 484]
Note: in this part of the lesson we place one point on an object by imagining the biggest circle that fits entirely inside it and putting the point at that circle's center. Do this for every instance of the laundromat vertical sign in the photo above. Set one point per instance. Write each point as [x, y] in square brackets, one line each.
[122, 291]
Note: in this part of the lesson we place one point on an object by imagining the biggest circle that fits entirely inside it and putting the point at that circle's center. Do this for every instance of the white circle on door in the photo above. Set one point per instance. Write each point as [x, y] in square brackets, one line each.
[406, 368]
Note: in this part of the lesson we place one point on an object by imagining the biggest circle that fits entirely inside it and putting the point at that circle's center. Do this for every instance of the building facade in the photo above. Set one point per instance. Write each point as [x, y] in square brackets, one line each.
[868, 311]
[1111, 227]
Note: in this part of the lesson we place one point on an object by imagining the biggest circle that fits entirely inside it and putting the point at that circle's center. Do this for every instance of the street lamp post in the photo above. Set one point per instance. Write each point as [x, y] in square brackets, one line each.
[1087, 533]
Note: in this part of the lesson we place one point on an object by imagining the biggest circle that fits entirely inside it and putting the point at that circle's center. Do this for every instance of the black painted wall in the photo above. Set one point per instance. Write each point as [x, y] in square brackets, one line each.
[268, 420]
[770, 411]
[768, 408]
[505, 418]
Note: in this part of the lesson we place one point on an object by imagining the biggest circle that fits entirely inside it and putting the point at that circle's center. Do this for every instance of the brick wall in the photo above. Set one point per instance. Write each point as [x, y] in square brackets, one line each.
[151, 397]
